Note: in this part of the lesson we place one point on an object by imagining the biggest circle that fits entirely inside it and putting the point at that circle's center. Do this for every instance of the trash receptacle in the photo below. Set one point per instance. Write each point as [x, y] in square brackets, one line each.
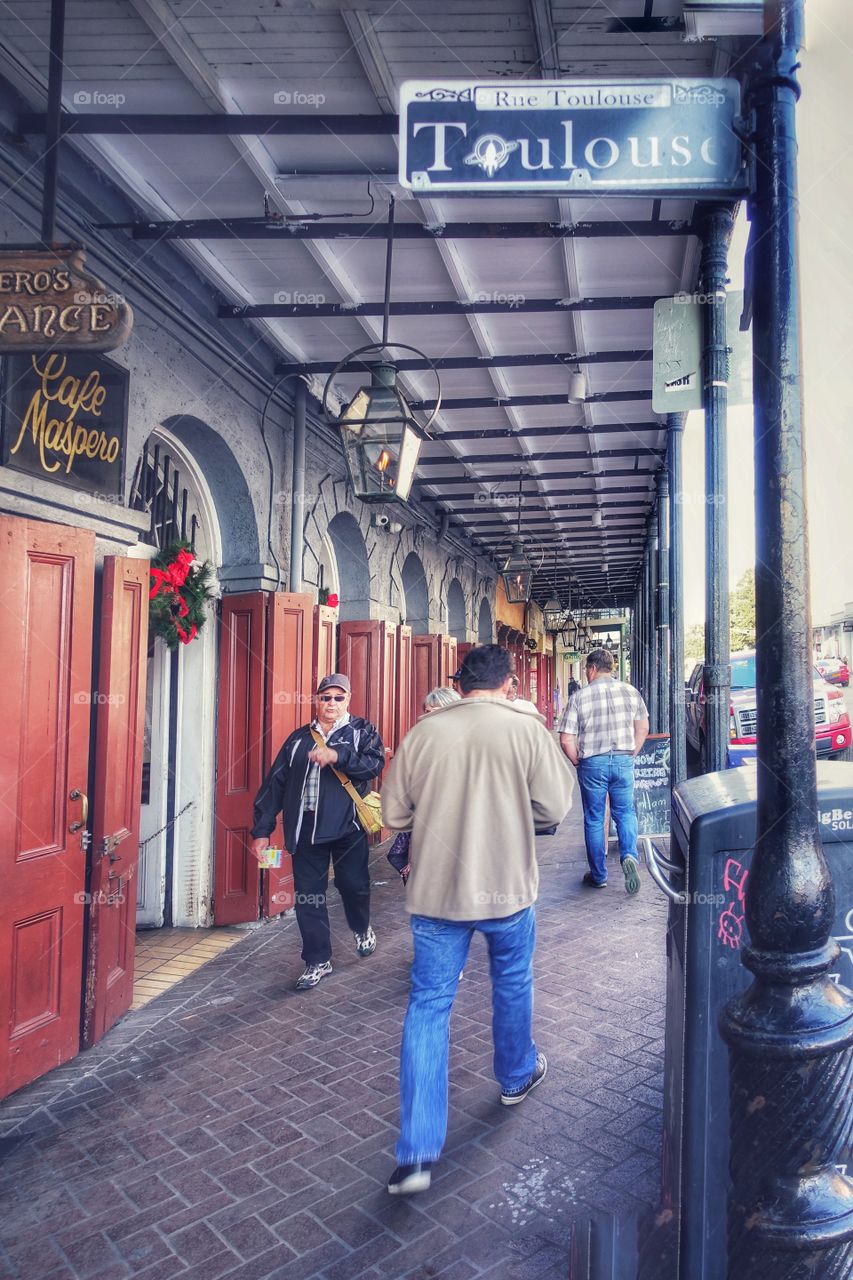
[713, 833]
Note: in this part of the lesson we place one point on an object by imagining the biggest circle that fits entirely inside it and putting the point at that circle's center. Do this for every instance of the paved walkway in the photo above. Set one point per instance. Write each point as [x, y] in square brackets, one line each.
[234, 1128]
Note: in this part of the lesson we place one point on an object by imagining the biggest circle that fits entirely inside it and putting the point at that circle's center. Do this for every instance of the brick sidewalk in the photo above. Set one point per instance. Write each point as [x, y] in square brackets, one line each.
[234, 1128]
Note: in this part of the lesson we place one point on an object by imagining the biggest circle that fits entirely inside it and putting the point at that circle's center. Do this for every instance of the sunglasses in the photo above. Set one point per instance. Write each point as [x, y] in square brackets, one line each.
[333, 697]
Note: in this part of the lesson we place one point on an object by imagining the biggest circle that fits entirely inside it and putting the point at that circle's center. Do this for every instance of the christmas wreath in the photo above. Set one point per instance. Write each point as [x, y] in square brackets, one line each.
[180, 590]
[325, 596]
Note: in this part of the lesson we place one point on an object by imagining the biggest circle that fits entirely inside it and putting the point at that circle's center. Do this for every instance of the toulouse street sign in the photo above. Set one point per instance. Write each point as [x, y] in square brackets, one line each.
[631, 137]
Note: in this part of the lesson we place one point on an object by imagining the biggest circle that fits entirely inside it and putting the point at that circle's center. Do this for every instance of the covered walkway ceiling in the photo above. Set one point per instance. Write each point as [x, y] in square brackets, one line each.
[511, 294]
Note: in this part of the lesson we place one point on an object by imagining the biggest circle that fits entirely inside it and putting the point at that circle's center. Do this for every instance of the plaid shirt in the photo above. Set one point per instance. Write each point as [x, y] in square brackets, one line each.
[601, 716]
[311, 790]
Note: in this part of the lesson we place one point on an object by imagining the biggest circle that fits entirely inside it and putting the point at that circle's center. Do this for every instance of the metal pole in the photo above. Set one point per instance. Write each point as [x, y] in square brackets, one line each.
[791, 1034]
[717, 229]
[297, 510]
[651, 646]
[663, 638]
[677, 720]
[52, 122]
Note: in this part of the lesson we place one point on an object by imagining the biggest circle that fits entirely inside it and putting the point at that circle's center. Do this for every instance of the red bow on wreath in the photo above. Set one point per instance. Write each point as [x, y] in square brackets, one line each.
[170, 581]
[173, 578]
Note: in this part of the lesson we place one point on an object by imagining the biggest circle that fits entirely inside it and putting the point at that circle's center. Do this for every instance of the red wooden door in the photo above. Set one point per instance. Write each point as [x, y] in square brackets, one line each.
[289, 646]
[366, 654]
[45, 705]
[426, 664]
[325, 653]
[461, 650]
[403, 693]
[388, 715]
[239, 756]
[119, 734]
[448, 659]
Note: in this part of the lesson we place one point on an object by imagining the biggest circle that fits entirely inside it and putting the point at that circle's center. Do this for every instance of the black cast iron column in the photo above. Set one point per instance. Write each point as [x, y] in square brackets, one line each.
[663, 638]
[651, 650]
[677, 724]
[716, 233]
[790, 1035]
[54, 107]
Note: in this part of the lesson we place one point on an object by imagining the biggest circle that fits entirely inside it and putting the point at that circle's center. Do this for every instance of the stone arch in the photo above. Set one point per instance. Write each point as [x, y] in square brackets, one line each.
[415, 594]
[353, 567]
[235, 510]
[457, 625]
[485, 631]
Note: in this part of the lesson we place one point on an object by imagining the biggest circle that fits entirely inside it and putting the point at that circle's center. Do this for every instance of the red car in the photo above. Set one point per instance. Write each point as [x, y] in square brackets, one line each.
[834, 670]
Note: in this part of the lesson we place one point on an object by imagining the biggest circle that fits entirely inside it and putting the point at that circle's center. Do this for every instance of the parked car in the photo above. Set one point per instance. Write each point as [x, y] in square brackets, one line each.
[833, 670]
[832, 723]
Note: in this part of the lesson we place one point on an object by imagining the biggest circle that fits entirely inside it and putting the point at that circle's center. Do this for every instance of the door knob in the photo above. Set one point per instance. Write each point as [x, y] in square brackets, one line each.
[79, 795]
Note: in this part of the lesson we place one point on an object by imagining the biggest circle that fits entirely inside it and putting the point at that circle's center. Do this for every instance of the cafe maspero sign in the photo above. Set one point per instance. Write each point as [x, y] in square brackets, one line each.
[627, 137]
[65, 419]
[49, 302]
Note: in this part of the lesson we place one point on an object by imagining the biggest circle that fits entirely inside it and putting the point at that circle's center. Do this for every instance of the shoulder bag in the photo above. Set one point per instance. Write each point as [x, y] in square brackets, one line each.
[369, 807]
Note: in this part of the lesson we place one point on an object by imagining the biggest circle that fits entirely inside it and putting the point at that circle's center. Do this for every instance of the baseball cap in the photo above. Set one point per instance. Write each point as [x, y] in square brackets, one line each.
[335, 681]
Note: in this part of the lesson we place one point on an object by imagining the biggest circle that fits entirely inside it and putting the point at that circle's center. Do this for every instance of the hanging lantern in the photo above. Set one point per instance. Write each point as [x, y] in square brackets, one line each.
[517, 575]
[517, 572]
[554, 614]
[380, 435]
[381, 438]
[569, 634]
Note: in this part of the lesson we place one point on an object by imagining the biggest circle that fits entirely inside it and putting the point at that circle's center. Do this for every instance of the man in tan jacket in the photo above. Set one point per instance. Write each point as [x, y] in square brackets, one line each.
[471, 782]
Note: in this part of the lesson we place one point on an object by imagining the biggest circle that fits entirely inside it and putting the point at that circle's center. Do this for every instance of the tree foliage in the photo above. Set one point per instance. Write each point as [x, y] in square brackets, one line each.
[742, 613]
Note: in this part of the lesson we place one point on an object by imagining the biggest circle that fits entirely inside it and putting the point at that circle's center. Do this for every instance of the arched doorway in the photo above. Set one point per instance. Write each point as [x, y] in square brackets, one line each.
[456, 619]
[353, 569]
[176, 816]
[416, 595]
[485, 631]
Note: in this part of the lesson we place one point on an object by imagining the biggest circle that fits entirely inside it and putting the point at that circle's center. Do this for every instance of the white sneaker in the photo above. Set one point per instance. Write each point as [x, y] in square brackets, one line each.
[312, 975]
[365, 943]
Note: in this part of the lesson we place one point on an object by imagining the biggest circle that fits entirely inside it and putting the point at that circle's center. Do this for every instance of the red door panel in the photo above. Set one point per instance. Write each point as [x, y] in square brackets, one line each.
[45, 706]
[426, 651]
[366, 654]
[448, 659]
[119, 732]
[461, 650]
[325, 654]
[403, 693]
[289, 645]
[239, 755]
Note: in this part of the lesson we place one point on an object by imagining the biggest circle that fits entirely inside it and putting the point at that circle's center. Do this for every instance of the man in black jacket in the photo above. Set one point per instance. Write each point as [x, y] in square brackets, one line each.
[320, 822]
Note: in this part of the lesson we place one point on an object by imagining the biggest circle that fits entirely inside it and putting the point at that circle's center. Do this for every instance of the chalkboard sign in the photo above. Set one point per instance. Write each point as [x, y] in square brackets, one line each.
[652, 797]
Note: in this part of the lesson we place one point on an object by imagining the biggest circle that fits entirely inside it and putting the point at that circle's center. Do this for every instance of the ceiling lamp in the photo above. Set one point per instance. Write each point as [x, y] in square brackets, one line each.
[577, 387]
[554, 613]
[517, 572]
[380, 435]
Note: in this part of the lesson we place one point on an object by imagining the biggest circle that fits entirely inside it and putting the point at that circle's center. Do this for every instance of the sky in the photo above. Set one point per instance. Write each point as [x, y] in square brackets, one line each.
[825, 133]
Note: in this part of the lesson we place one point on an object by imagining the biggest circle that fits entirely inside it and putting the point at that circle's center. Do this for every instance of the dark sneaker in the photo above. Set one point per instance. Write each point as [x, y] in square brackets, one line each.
[593, 884]
[512, 1097]
[313, 974]
[365, 943]
[631, 872]
[409, 1178]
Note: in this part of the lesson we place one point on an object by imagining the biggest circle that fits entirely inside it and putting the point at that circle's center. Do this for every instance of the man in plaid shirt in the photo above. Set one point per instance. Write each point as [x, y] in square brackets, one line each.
[601, 730]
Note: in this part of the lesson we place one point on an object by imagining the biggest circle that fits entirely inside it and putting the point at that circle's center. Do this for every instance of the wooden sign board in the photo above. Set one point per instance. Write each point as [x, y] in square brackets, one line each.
[65, 419]
[652, 788]
[49, 302]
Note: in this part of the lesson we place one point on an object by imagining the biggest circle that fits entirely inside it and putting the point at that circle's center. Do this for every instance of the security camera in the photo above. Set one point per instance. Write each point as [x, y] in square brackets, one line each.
[380, 521]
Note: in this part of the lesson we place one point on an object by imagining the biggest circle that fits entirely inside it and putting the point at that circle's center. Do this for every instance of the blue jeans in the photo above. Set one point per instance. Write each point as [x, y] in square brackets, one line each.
[441, 947]
[600, 776]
